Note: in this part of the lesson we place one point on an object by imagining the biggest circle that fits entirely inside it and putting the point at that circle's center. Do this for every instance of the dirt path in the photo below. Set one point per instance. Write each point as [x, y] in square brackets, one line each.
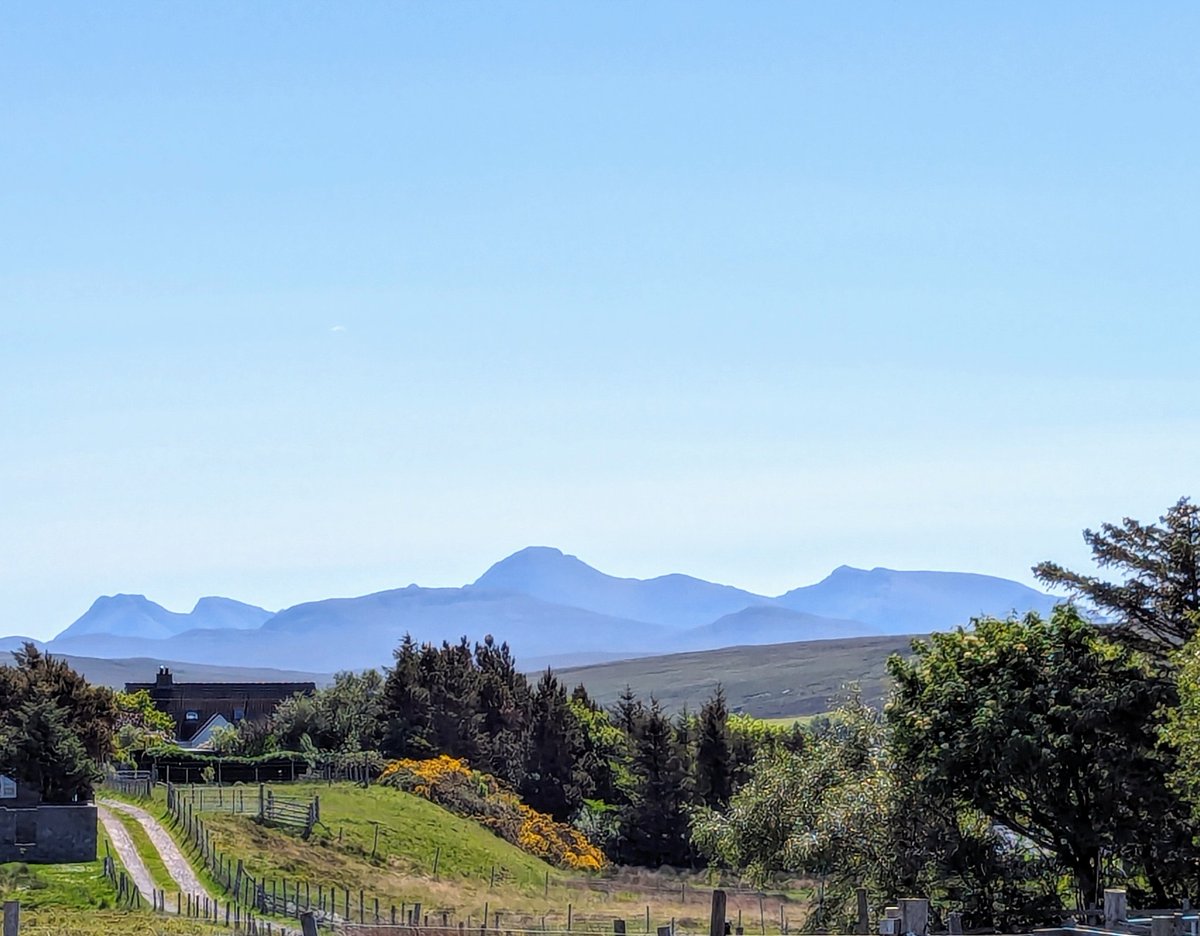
[177, 865]
[127, 853]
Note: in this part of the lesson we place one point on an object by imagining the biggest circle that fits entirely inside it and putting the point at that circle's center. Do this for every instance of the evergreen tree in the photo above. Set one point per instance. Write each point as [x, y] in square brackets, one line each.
[504, 708]
[628, 712]
[407, 707]
[1156, 609]
[554, 781]
[453, 683]
[655, 826]
[714, 753]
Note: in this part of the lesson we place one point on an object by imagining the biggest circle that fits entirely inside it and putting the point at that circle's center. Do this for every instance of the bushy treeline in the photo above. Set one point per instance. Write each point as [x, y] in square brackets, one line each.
[629, 778]
[1017, 763]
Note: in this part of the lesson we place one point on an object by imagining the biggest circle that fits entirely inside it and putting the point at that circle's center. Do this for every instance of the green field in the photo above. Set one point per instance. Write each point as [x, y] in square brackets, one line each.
[776, 681]
[78, 900]
[476, 870]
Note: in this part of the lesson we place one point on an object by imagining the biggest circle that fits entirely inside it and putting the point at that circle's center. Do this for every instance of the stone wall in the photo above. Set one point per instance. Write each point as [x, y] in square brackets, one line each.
[48, 834]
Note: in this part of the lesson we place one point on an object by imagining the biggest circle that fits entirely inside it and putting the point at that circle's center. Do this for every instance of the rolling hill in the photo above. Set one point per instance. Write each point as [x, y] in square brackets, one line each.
[115, 673]
[774, 681]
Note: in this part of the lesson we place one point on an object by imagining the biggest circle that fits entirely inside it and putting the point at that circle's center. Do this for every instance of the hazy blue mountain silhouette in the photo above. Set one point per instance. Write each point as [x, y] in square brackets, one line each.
[340, 633]
[672, 600]
[9, 644]
[770, 624]
[547, 606]
[138, 616]
[914, 602]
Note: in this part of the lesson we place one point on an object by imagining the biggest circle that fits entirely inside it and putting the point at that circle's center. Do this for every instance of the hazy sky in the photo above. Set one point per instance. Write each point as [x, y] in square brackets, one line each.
[311, 300]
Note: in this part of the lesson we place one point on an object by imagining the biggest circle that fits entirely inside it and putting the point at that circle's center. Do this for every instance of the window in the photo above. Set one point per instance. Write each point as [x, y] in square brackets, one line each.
[192, 715]
[239, 714]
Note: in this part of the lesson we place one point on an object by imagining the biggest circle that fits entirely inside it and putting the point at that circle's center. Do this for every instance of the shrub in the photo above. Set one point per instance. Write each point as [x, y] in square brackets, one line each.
[453, 785]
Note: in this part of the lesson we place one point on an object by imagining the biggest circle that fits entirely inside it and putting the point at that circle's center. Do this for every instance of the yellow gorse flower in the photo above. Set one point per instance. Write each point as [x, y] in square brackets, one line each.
[498, 808]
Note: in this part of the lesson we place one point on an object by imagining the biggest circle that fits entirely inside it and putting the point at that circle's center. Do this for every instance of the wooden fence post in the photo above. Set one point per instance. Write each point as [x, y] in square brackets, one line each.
[308, 924]
[862, 923]
[716, 921]
[12, 918]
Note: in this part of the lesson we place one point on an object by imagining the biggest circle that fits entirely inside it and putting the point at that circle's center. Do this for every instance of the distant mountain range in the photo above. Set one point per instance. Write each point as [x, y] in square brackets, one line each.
[550, 608]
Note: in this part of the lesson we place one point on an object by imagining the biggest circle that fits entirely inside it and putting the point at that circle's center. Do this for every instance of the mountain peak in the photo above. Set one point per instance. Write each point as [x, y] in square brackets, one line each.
[534, 564]
[549, 574]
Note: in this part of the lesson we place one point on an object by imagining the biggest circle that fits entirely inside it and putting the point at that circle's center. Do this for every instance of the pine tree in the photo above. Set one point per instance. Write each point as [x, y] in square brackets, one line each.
[1156, 609]
[655, 826]
[628, 712]
[504, 704]
[454, 696]
[714, 753]
[554, 782]
[407, 707]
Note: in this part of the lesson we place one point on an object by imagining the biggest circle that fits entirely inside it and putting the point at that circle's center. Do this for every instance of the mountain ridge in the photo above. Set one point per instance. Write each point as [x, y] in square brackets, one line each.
[548, 606]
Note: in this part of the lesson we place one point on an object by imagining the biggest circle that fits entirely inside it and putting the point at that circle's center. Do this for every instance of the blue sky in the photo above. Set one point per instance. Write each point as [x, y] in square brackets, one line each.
[301, 300]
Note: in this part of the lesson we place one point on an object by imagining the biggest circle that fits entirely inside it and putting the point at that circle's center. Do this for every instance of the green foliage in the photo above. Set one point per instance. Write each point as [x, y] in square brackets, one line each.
[791, 818]
[655, 823]
[1156, 608]
[139, 725]
[603, 754]
[714, 753]
[1049, 730]
[554, 780]
[55, 728]
[343, 717]
[842, 810]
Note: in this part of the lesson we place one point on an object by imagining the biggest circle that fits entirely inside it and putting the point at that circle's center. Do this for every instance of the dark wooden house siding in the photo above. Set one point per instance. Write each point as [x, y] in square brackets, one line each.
[191, 705]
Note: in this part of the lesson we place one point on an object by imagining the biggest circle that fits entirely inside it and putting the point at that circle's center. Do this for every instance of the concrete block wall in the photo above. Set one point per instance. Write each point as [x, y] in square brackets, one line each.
[62, 834]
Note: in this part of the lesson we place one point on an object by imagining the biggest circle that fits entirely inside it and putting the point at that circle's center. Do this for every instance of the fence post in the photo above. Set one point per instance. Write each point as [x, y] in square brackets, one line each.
[716, 921]
[12, 918]
[308, 924]
[1116, 907]
[914, 916]
[862, 924]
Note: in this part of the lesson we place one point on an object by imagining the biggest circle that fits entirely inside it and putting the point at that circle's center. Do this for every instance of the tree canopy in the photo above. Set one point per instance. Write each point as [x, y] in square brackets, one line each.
[55, 728]
[1156, 606]
[1046, 728]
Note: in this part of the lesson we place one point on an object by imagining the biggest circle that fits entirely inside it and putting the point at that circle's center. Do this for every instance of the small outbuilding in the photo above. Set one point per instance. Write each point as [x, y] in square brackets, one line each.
[43, 833]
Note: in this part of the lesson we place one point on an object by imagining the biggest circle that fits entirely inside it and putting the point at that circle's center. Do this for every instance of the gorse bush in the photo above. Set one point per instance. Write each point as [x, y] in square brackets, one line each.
[453, 785]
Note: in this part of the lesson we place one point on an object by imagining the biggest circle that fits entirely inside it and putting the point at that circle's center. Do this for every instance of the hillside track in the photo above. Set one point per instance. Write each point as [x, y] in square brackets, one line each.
[127, 853]
[173, 859]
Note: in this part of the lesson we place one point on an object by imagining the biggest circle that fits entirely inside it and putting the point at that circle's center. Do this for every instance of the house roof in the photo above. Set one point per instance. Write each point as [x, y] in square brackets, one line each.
[203, 738]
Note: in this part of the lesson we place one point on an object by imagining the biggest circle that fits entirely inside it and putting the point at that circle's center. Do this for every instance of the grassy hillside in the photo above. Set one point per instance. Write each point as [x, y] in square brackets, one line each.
[78, 900]
[773, 681]
[414, 832]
